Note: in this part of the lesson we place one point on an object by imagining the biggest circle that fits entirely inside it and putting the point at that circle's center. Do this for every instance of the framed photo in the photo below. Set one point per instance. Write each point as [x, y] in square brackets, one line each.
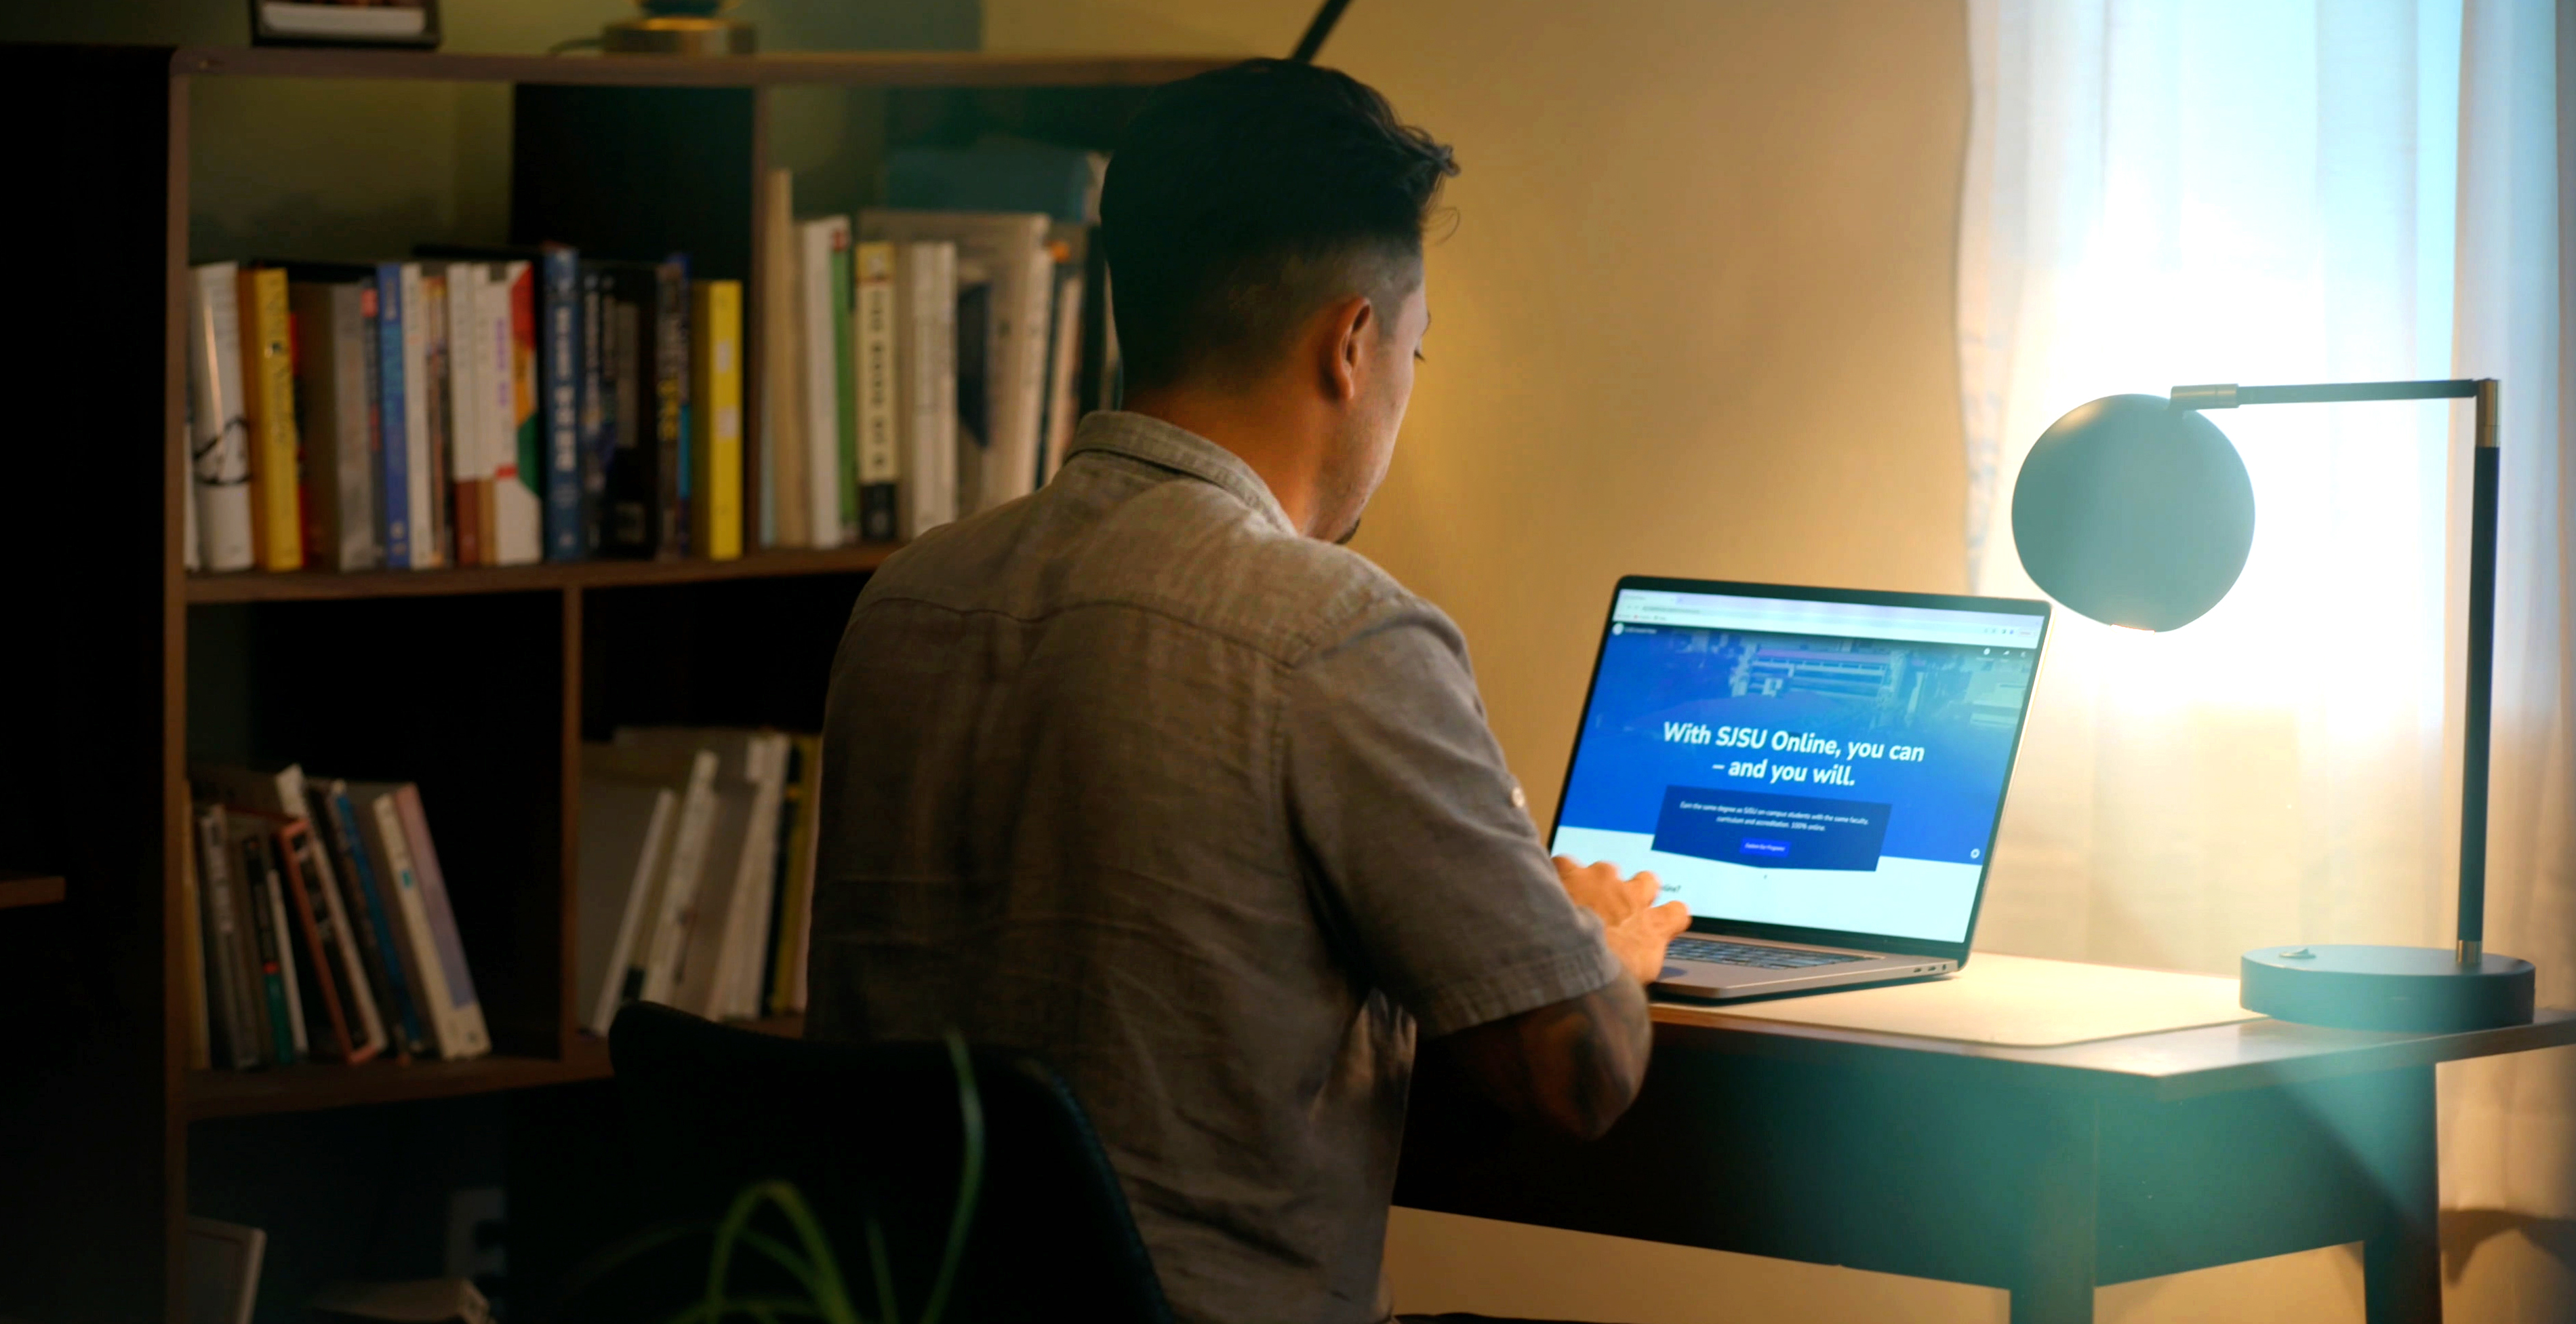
[408, 23]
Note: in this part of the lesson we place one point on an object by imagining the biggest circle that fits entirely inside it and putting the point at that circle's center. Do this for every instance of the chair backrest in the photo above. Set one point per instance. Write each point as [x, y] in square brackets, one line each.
[874, 1129]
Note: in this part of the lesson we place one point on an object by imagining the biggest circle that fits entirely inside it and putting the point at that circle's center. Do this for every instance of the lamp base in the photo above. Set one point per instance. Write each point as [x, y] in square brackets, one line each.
[678, 35]
[2352, 987]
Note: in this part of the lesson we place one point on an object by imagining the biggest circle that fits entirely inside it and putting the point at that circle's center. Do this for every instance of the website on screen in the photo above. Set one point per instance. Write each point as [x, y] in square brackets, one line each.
[1825, 765]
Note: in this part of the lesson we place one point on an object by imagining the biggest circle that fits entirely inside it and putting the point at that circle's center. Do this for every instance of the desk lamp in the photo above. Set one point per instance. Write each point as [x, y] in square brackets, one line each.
[2136, 511]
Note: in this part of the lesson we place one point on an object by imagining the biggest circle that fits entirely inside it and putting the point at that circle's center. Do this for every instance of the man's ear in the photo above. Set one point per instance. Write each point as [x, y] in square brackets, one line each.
[1349, 327]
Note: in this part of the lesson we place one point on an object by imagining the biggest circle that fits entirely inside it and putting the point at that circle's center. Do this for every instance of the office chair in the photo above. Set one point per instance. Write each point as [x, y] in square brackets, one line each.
[864, 1129]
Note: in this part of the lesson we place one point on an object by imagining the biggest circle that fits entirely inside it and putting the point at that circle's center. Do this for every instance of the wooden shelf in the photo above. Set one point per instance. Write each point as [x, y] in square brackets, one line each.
[310, 585]
[28, 889]
[842, 68]
[319, 1085]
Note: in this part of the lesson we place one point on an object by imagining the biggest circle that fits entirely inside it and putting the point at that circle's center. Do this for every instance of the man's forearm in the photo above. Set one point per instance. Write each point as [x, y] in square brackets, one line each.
[1571, 1066]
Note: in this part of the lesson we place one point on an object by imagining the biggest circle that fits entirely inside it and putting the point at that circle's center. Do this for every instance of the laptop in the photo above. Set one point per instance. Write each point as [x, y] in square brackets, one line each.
[1816, 773]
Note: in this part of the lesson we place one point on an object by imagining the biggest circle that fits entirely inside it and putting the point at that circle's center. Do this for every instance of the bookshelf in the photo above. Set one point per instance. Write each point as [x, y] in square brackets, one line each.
[479, 684]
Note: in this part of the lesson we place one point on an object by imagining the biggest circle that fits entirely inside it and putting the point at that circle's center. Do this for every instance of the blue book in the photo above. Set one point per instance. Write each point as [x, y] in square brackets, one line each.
[344, 825]
[559, 389]
[393, 470]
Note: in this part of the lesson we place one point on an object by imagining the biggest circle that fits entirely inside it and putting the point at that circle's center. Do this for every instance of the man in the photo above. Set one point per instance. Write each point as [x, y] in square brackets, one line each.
[1148, 775]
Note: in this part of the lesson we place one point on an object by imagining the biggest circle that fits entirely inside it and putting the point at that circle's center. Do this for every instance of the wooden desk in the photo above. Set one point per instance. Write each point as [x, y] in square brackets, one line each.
[2041, 1170]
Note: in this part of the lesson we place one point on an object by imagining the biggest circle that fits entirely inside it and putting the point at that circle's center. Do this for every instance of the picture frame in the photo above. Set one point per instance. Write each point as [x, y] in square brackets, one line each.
[399, 24]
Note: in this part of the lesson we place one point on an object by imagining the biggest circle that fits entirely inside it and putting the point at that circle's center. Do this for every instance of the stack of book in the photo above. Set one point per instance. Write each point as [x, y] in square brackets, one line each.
[499, 407]
[322, 924]
[697, 872]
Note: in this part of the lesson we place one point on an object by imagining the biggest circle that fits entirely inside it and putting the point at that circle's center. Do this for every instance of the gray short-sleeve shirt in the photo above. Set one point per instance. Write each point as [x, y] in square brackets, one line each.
[1205, 813]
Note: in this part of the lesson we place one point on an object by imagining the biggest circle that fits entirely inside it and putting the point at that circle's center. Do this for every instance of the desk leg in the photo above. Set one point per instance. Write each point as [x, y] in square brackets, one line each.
[2055, 1280]
[2401, 1266]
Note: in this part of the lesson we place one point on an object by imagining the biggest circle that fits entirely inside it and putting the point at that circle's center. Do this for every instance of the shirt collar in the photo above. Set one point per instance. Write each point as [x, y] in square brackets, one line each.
[1144, 437]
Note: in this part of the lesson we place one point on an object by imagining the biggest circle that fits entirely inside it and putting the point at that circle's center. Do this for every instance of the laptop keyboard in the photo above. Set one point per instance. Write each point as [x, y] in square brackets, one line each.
[1717, 951]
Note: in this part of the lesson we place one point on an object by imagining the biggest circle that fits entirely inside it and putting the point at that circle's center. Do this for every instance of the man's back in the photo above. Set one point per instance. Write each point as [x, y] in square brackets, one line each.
[1119, 774]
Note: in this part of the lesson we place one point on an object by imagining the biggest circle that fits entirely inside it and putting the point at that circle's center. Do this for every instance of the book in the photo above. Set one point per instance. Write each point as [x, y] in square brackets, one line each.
[515, 435]
[420, 476]
[265, 912]
[629, 806]
[778, 489]
[879, 452]
[372, 915]
[597, 432]
[998, 442]
[469, 395]
[790, 930]
[268, 414]
[393, 415]
[925, 316]
[313, 947]
[673, 909]
[463, 1009]
[233, 1012]
[333, 421]
[437, 396]
[1101, 378]
[641, 405]
[380, 823]
[1064, 353]
[193, 965]
[674, 348]
[719, 967]
[717, 509]
[559, 399]
[822, 274]
[223, 1267]
[218, 433]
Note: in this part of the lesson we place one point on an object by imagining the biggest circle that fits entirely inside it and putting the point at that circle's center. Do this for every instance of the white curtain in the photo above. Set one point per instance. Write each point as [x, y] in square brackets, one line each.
[2163, 192]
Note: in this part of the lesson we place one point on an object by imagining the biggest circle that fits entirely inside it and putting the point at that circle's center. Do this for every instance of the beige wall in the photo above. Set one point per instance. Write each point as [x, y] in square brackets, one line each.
[1694, 318]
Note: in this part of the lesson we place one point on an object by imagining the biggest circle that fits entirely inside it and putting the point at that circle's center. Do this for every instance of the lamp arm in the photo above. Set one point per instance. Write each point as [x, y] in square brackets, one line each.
[2479, 708]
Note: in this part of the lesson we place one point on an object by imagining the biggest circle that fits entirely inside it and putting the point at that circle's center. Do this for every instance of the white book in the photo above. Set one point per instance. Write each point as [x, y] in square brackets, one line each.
[741, 853]
[785, 509]
[422, 502]
[629, 811]
[819, 377]
[218, 430]
[468, 395]
[518, 516]
[1064, 400]
[925, 296]
[223, 1271]
[675, 907]
[1011, 249]
[380, 821]
[873, 347]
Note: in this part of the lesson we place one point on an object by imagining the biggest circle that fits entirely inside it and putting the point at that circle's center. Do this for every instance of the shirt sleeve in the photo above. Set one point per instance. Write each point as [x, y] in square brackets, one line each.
[1398, 791]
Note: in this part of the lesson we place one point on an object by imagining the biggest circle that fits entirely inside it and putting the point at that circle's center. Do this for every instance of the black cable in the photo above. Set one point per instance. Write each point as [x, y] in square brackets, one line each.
[1313, 42]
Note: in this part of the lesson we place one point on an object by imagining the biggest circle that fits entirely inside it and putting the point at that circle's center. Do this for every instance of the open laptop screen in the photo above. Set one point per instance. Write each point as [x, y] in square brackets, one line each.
[1830, 761]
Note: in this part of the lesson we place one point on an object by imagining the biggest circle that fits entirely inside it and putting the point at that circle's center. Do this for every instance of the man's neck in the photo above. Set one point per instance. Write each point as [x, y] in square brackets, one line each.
[1266, 431]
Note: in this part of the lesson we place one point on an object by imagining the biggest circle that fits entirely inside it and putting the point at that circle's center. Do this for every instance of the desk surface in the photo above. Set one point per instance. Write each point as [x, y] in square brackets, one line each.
[1936, 1028]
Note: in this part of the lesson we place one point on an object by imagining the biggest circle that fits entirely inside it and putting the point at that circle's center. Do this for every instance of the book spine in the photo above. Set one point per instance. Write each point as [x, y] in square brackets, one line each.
[418, 443]
[377, 926]
[331, 412]
[819, 375]
[845, 391]
[218, 434]
[717, 516]
[518, 473]
[668, 949]
[671, 384]
[1064, 410]
[629, 363]
[419, 949]
[597, 442]
[280, 1045]
[784, 470]
[469, 359]
[559, 396]
[926, 362]
[439, 359]
[880, 468]
[393, 454]
[192, 945]
[229, 989]
[463, 1012]
[338, 913]
[326, 1024]
[268, 407]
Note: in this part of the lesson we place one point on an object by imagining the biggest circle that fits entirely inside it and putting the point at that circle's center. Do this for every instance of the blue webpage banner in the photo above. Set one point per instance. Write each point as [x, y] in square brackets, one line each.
[1783, 831]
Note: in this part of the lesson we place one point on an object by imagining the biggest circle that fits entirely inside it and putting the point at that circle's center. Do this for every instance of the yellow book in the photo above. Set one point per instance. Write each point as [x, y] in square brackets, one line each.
[715, 488]
[268, 405]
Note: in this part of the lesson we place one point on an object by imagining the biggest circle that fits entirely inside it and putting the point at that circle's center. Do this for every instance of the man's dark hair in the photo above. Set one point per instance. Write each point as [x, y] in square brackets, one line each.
[1242, 200]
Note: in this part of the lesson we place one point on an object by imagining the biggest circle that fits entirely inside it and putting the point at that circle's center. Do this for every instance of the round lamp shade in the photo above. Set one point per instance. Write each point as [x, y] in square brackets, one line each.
[2134, 513]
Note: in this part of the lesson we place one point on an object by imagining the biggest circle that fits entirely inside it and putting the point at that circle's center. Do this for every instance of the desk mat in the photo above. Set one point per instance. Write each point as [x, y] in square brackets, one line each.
[2011, 1001]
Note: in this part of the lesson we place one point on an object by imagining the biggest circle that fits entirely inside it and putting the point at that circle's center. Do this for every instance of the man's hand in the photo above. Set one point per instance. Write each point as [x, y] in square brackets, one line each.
[1636, 929]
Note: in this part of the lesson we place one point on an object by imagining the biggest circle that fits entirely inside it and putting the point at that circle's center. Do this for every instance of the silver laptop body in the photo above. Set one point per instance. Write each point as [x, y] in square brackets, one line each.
[1818, 773]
